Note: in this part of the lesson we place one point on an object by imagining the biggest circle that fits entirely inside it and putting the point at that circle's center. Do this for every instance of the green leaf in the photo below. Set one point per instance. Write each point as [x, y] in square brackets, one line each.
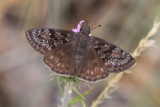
[59, 86]
[79, 98]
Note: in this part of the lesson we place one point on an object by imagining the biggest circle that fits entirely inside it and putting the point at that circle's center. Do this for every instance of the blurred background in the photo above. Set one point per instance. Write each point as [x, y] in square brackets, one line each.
[24, 79]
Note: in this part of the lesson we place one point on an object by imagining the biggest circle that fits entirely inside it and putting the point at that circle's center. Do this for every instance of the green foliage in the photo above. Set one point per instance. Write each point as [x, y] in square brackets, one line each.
[71, 81]
[65, 79]
[79, 98]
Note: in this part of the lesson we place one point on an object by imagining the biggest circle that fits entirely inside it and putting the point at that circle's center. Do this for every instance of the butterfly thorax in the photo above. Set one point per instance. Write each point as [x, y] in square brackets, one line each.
[81, 46]
[85, 30]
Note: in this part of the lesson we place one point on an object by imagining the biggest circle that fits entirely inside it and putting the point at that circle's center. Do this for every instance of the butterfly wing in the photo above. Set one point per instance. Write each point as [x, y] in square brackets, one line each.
[61, 59]
[45, 40]
[114, 59]
[92, 67]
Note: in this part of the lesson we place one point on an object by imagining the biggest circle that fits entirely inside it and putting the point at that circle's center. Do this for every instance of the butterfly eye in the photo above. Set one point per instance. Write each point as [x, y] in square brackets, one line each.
[85, 30]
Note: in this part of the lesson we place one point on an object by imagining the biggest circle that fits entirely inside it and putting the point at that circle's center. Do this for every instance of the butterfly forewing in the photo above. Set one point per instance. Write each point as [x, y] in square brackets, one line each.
[114, 59]
[92, 67]
[45, 40]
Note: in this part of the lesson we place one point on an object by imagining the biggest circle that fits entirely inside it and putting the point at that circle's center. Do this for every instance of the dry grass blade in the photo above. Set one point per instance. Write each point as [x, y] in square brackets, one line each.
[143, 44]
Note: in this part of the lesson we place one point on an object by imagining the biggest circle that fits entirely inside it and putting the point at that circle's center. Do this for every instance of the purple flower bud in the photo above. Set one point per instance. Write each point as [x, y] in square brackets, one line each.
[78, 27]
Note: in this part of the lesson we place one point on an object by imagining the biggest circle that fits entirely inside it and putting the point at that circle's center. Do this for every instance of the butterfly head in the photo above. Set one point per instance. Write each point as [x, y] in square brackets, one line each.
[85, 29]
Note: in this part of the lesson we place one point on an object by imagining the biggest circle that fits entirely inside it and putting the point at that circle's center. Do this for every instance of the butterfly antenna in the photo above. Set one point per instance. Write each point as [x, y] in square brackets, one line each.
[95, 27]
[76, 17]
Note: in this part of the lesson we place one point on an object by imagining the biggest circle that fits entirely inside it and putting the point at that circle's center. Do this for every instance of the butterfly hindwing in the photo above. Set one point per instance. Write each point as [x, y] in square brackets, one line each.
[45, 40]
[114, 59]
[61, 59]
[91, 69]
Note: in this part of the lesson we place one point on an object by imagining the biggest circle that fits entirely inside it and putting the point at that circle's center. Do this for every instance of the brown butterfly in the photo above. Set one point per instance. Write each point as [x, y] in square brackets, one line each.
[78, 54]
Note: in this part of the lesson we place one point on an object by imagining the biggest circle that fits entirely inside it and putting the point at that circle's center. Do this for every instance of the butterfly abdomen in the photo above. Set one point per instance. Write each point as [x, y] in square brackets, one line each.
[79, 53]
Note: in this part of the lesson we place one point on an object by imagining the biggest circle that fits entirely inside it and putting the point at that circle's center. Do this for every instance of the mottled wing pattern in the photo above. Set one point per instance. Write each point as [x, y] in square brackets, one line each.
[114, 59]
[92, 67]
[45, 40]
[61, 59]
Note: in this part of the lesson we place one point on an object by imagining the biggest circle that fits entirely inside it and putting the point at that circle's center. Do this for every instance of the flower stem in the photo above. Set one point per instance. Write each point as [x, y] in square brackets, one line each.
[67, 95]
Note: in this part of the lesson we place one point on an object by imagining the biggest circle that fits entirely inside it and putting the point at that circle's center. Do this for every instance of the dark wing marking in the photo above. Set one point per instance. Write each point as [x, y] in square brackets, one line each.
[114, 59]
[92, 68]
[45, 40]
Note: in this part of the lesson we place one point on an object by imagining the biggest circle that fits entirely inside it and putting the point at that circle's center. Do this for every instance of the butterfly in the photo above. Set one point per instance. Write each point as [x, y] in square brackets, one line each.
[78, 54]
